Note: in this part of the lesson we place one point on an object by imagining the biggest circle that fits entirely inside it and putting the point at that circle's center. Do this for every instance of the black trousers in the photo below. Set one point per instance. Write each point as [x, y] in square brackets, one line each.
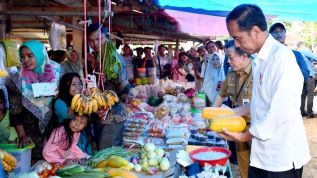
[308, 92]
[108, 135]
[260, 173]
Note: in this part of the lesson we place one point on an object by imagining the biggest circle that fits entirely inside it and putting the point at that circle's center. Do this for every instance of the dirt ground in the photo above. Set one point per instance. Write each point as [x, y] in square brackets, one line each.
[310, 170]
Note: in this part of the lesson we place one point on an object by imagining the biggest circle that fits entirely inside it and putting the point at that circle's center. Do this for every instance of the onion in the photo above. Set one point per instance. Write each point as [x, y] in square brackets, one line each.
[134, 160]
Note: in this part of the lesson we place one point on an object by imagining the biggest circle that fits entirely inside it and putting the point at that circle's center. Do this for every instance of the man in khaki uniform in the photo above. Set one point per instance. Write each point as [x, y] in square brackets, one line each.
[238, 86]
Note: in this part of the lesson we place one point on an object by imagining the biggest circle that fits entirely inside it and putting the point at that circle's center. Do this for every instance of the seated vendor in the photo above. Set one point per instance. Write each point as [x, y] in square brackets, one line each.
[7, 133]
[62, 145]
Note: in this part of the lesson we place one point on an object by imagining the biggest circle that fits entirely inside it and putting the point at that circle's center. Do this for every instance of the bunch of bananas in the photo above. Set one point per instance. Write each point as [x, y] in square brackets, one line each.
[101, 100]
[111, 97]
[97, 100]
[84, 104]
[8, 161]
[105, 99]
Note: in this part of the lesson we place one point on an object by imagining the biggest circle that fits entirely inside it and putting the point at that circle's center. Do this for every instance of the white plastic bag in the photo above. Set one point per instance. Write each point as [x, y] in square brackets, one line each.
[57, 37]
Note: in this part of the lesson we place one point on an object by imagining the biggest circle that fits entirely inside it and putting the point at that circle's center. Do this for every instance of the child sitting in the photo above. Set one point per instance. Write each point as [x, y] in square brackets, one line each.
[62, 145]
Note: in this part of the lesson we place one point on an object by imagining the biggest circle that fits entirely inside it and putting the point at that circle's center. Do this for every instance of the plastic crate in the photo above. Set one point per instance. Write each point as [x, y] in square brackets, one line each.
[2, 173]
[22, 155]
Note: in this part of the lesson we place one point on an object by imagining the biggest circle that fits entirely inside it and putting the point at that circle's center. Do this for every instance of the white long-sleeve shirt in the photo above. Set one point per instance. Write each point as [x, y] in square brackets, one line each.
[279, 138]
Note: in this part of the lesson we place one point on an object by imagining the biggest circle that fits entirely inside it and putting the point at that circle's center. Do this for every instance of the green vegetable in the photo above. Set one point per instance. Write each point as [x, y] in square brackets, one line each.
[160, 152]
[149, 147]
[87, 175]
[70, 170]
[151, 154]
[153, 162]
[112, 64]
[144, 165]
[106, 153]
[89, 170]
[138, 168]
[165, 165]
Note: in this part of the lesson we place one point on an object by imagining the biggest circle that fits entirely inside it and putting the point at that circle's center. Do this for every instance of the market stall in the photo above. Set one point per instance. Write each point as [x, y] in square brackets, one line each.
[165, 135]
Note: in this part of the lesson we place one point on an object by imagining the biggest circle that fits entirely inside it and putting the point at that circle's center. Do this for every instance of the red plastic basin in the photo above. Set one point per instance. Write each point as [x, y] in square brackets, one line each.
[202, 162]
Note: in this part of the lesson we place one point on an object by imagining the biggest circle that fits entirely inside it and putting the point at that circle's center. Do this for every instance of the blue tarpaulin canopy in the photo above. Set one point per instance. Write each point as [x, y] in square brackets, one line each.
[304, 10]
[207, 17]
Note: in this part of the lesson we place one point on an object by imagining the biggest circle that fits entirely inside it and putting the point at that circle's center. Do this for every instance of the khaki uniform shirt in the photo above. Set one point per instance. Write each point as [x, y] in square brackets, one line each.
[234, 83]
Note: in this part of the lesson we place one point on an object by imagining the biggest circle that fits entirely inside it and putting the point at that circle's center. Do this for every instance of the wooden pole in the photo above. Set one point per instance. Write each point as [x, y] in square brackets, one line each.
[2, 20]
[77, 38]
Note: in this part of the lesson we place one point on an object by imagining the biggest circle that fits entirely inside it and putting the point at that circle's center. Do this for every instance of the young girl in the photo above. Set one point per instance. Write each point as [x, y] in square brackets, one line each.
[62, 144]
[70, 85]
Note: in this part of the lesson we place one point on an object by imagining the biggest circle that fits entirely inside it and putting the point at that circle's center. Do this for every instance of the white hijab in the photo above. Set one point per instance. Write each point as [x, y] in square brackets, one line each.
[212, 77]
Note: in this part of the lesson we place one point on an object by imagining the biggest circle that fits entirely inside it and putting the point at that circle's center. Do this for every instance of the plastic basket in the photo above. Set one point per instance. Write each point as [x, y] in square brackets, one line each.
[22, 155]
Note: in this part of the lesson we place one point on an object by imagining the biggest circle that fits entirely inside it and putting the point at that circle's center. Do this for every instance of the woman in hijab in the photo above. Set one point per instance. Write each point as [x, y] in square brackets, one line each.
[29, 115]
[72, 63]
[213, 77]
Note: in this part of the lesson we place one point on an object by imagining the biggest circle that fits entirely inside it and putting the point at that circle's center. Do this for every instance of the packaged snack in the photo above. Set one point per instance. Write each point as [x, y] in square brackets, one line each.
[161, 111]
[155, 140]
[175, 141]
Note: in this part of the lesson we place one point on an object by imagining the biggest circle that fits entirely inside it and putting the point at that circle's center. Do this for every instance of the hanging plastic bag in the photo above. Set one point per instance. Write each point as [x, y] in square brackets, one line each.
[57, 37]
[10, 52]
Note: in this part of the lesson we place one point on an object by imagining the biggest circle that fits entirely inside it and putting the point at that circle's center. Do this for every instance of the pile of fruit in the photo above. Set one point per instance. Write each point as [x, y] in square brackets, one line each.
[151, 160]
[8, 161]
[83, 104]
[114, 161]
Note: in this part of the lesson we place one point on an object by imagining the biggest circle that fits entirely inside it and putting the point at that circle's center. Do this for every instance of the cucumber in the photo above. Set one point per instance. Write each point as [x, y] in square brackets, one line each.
[70, 170]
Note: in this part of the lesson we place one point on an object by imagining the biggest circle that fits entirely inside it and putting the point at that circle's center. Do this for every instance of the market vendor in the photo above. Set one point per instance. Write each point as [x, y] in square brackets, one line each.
[28, 114]
[7, 133]
[108, 126]
[238, 86]
[279, 146]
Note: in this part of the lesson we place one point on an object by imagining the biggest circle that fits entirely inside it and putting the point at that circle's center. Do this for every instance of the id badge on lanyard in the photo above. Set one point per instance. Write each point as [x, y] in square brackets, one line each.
[245, 100]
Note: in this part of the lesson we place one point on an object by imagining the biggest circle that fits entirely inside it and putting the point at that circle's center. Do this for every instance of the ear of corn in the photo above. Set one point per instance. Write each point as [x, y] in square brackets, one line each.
[8, 160]
[6, 166]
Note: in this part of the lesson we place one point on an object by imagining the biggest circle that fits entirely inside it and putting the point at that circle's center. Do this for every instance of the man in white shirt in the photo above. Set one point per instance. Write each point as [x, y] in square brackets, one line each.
[279, 145]
[162, 62]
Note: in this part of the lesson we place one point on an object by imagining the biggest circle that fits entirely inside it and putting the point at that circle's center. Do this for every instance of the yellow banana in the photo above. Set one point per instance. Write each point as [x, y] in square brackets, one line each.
[114, 95]
[78, 104]
[104, 100]
[90, 106]
[99, 99]
[74, 101]
[81, 107]
[95, 105]
[86, 107]
[93, 91]
[110, 100]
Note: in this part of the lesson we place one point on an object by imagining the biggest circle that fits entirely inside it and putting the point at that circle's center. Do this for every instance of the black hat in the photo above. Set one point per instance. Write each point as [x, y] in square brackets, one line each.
[276, 25]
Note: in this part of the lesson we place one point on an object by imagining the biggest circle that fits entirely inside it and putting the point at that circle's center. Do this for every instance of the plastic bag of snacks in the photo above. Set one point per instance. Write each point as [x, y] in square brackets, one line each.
[156, 129]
